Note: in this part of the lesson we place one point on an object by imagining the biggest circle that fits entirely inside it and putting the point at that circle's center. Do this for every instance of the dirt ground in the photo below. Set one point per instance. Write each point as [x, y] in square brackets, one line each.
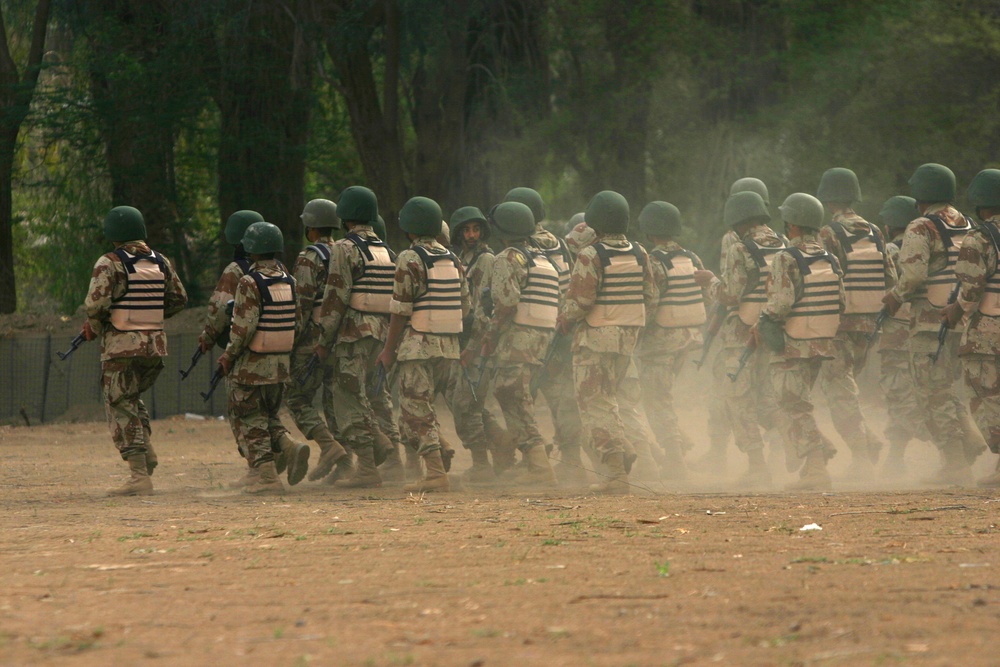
[197, 574]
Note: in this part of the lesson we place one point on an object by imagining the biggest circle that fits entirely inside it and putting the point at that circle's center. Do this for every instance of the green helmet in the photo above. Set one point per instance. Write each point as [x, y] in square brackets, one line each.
[608, 213]
[899, 211]
[462, 217]
[933, 183]
[512, 220]
[984, 191]
[357, 204]
[745, 206]
[839, 185]
[237, 225]
[421, 216]
[802, 210]
[378, 224]
[750, 185]
[320, 213]
[660, 219]
[263, 238]
[124, 223]
[529, 198]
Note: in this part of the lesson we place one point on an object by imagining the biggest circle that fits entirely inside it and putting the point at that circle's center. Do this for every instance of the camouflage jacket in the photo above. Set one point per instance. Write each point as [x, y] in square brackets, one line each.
[310, 273]
[895, 334]
[216, 318]
[339, 323]
[249, 367]
[410, 283]
[855, 224]
[514, 343]
[107, 285]
[921, 253]
[585, 281]
[784, 289]
[479, 275]
[977, 262]
[740, 275]
[657, 340]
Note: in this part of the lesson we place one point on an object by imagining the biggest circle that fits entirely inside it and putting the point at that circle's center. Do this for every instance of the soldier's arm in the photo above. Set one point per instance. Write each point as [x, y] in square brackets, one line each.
[582, 292]
[99, 294]
[337, 294]
[914, 256]
[781, 287]
[650, 288]
[216, 317]
[466, 299]
[831, 244]
[972, 269]
[410, 276]
[306, 286]
[505, 286]
[889, 266]
[174, 296]
[246, 313]
[733, 283]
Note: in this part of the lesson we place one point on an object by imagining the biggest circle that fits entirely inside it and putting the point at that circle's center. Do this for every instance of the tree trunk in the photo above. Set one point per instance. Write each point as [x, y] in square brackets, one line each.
[8, 286]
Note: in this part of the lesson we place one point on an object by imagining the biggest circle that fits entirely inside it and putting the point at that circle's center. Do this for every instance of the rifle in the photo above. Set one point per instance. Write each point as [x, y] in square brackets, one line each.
[714, 325]
[308, 369]
[212, 384]
[536, 379]
[75, 343]
[472, 385]
[194, 362]
[943, 329]
[883, 315]
[748, 351]
[377, 382]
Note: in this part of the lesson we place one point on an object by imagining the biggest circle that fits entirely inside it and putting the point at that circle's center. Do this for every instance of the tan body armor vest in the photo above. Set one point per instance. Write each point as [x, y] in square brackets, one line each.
[989, 305]
[620, 300]
[560, 259]
[864, 272]
[817, 312]
[372, 292]
[752, 303]
[323, 251]
[539, 303]
[141, 307]
[904, 313]
[682, 303]
[439, 309]
[275, 332]
[941, 284]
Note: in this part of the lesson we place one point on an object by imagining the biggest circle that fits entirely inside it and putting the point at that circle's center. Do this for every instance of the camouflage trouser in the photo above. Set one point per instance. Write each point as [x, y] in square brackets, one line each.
[934, 387]
[720, 426]
[769, 413]
[385, 416]
[468, 411]
[557, 388]
[355, 417]
[657, 380]
[511, 389]
[896, 382]
[639, 439]
[793, 380]
[837, 381]
[597, 378]
[982, 376]
[300, 398]
[741, 398]
[419, 381]
[253, 417]
[122, 382]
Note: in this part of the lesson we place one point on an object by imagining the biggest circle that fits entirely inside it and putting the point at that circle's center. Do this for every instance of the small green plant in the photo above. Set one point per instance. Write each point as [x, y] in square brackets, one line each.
[133, 536]
[662, 569]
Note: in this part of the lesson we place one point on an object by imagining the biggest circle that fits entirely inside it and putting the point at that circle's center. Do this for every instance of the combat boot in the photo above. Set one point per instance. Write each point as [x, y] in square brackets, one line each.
[713, 461]
[266, 481]
[758, 475]
[616, 481]
[570, 471]
[672, 466]
[435, 479]
[501, 447]
[955, 471]
[533, 469]
[249, 478]
[861, 468]
[365, 473]
[991, 481]
[814, 475]
[894, 464]
[974, 443]
[139, 484]
[447, 453]
[381, 446]
[331, 452]
[481, 471]
[296, 456]
[392, 470]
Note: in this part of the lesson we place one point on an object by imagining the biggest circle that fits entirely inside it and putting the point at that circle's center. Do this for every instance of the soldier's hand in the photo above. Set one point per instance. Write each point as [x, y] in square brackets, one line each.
[562, 326]
[321, 352]
[88, 332]
[952, 315]
[467, 357]
[703, 277]
[225, 364]
[387, 358]
[891, 303]
[755, 334]
[204, 344]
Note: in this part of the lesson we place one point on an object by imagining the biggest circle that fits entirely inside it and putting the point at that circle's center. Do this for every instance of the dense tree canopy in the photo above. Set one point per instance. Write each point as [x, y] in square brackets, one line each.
[191, 109]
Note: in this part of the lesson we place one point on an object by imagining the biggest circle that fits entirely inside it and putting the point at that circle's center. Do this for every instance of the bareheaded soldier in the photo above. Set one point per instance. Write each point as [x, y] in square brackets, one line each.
[354, 321]
[979, 298]
[895, 376]
[926, 279]
[319, 217]
[805, 295]
[610, 292]
[257, 358]
[525, 290]
[132, 290]
[867, 273]
[675, 328]
[430, 298]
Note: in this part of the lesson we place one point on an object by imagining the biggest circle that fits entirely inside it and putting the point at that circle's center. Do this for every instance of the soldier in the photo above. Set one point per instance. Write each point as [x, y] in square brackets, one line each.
[310, 272]
[257, 358]
[353, 322]
[430, 298]
[674, 329]
[805, 296]
[610, 290]
[979, 299]
[132, 290]
[217, 321]
[525, 291]
[741, 288]
[927, 275]
[859, 247]
[895, 376]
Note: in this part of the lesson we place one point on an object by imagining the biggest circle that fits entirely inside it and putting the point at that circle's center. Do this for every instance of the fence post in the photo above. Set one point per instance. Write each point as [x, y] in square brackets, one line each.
[45, 375]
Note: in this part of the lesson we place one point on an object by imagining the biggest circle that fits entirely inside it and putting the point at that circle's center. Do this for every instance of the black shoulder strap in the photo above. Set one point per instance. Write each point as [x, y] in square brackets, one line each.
[129, 262]
[993, 234]
[841, 233]
[805, 262]
[430, 259]
[942, 229]
[877, 238]
[755, 253]
[264, 283]
[667, 258]
[322, 250]
[244, 264]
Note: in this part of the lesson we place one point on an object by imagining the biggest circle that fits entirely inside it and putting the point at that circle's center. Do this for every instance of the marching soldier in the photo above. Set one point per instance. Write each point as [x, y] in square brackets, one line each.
[132, 290]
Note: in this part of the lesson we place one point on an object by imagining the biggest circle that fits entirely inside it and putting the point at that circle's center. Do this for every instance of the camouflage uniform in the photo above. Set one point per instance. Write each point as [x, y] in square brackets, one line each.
[837, 377]
[255, 381]
[130, 360]
[425, 360]
[216, 318]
